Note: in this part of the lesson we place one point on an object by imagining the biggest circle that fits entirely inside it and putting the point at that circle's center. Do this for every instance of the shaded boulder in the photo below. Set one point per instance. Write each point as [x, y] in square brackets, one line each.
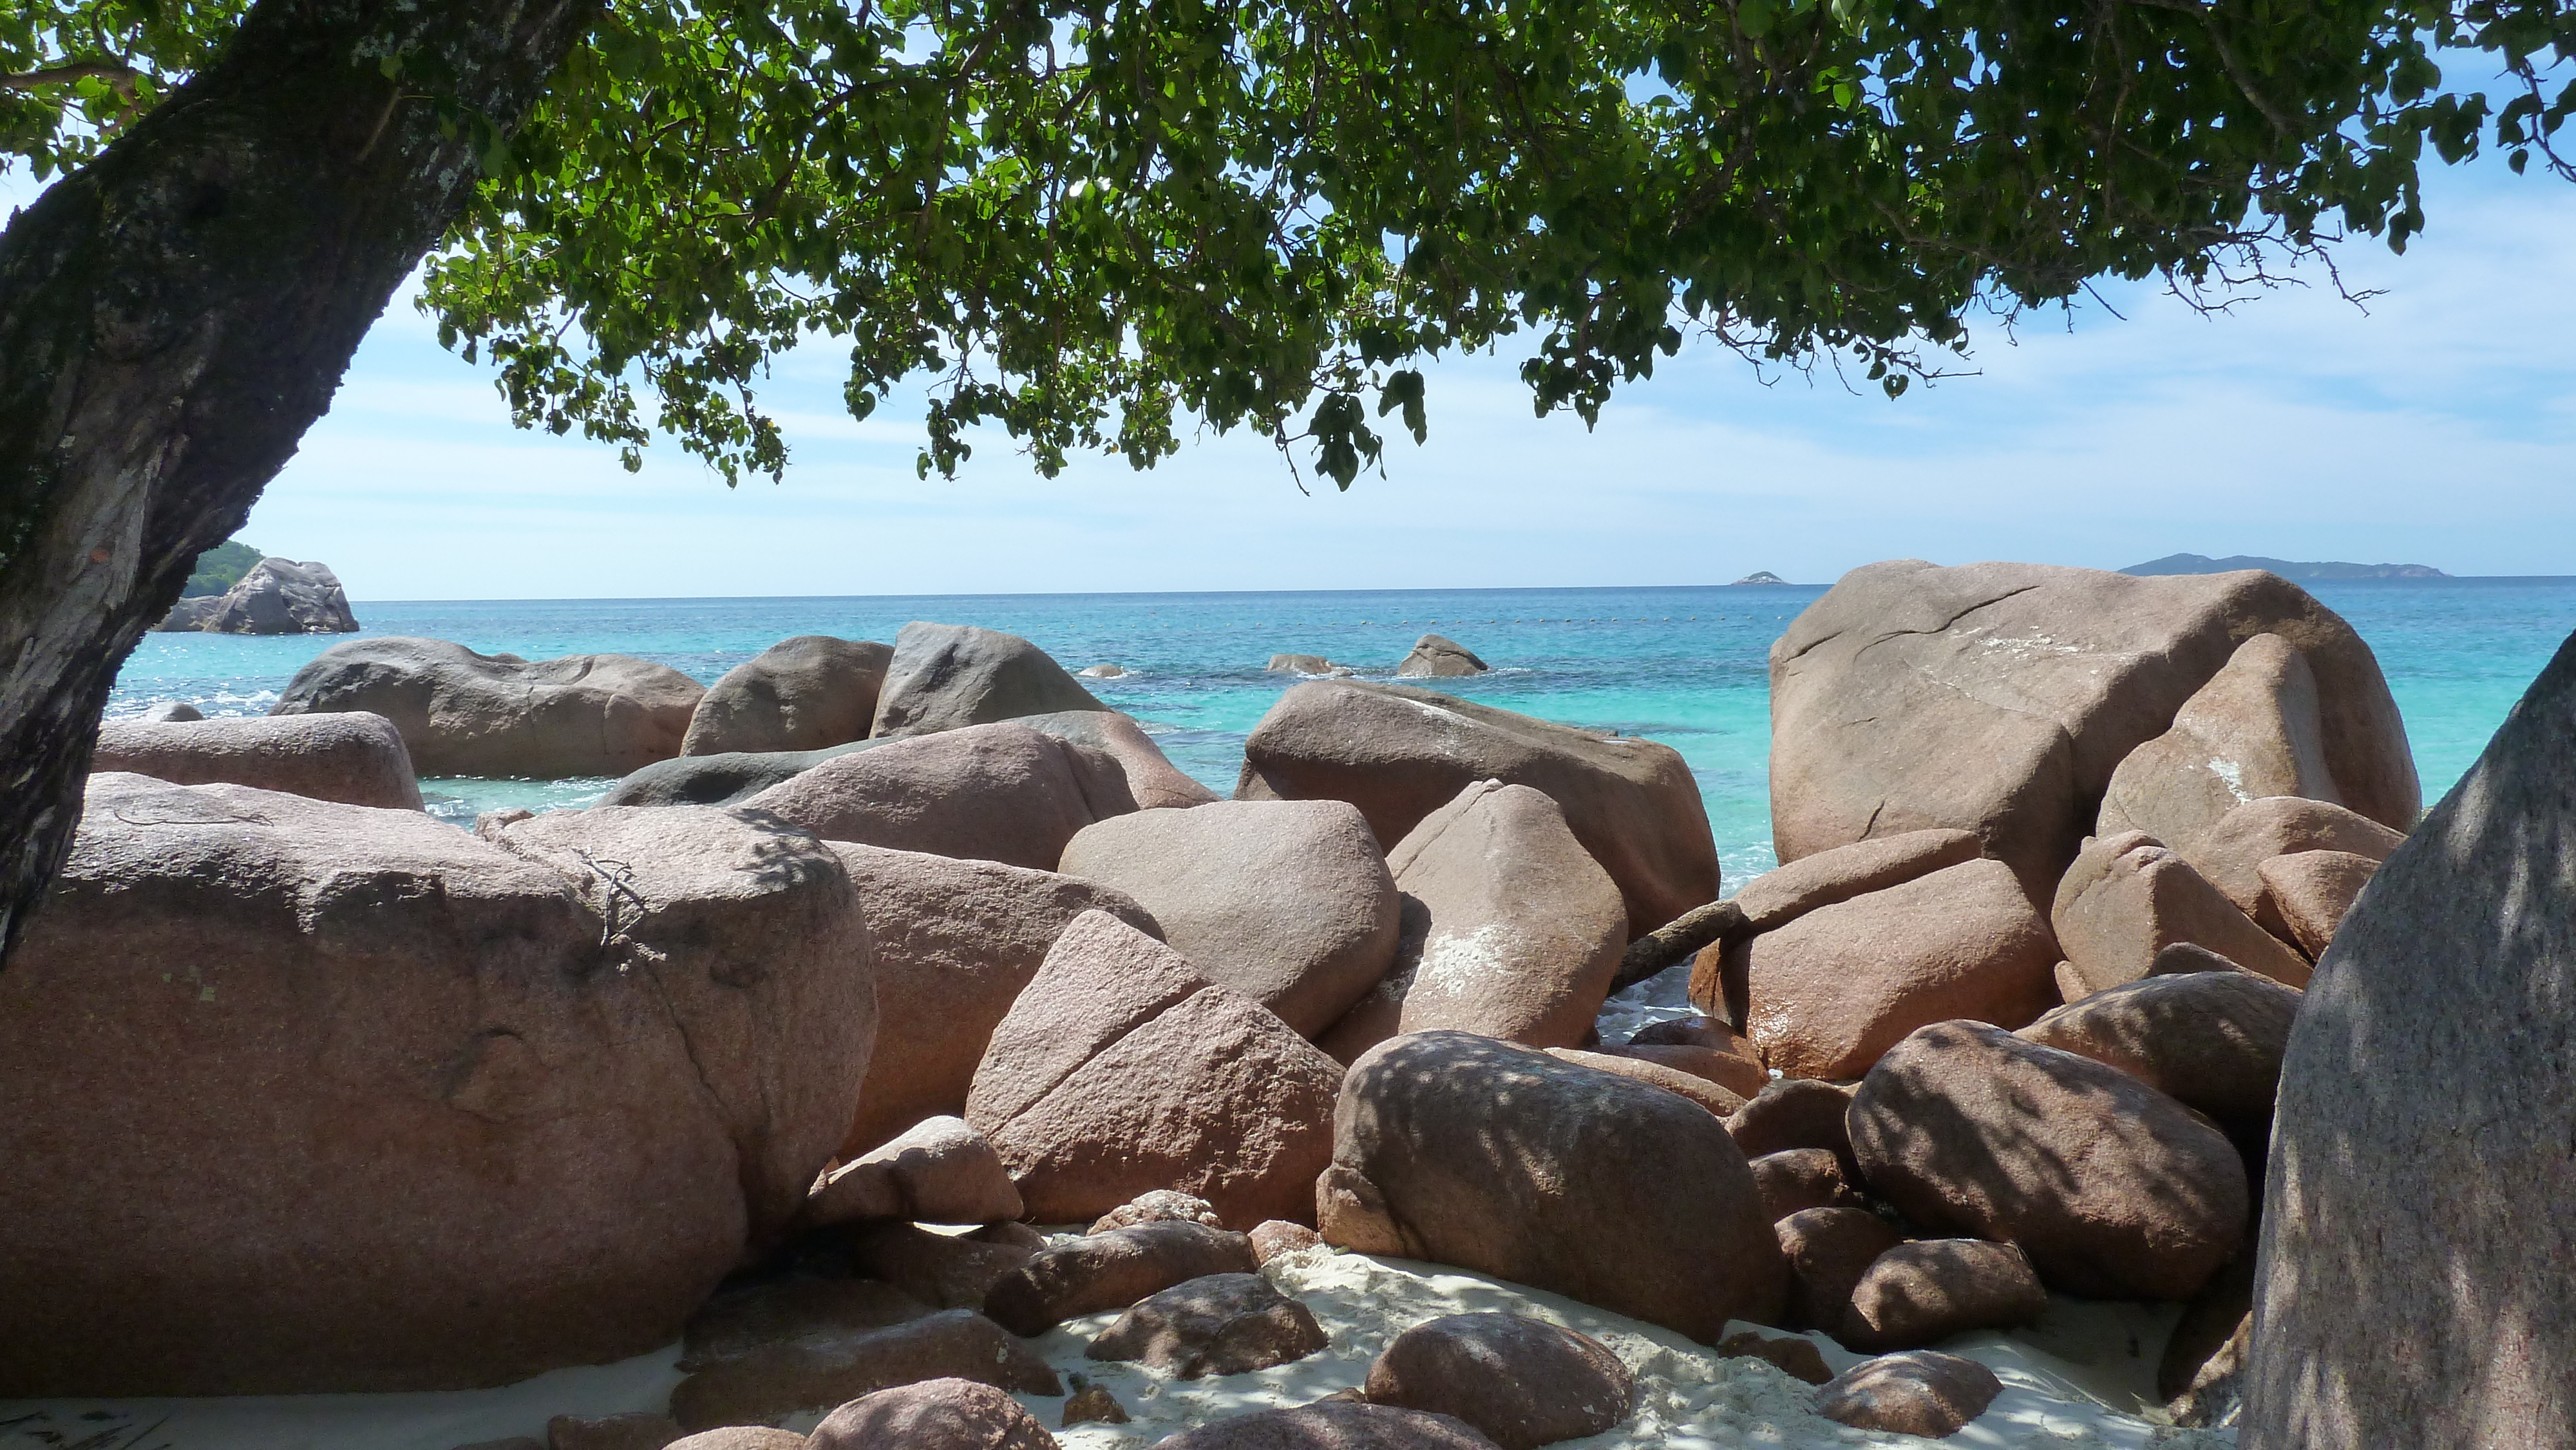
[1217, 1324]
[1332, 1425]
[945, 1271]
[767, 1384]
[1465, 1150]
[2127, 898]
[2210, 1040]
[940, 1414]
[985, 793]
[719, 780]
[1511, 930]
[1792, 1355]
[2232, 854]
[1436, 657]
[1700, 1090]
[945, 676]
[1524, 1382]
[1824, 995]
[2412, 1286]
[1828, 1251]
[2201, 1374]
[2000, 698]
[1801, 1178]
[1400, 753]
[1287, 902]
[188, 615]
[1152, 780]
[1303, 665]
[1778, 897]
[463, 713]
[1120, 1069]
[1921, 1392]
[2256, 729]
[277, 596]
[1113, 1270]
[2313, 890]
[357, 758]
[803, 693]
[515, 1103]
[2113, 1189]
[1796, 1113]
[745, 1317]
[1923, 1292]
[939, 1170]
[954, 943]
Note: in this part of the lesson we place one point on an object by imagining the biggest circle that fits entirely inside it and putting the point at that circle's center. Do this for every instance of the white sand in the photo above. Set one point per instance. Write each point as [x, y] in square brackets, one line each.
[2062, 1382]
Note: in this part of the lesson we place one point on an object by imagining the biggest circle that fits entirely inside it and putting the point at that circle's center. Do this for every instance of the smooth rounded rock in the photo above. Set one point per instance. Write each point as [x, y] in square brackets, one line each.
[1828, 1250]
[955, 941]
[1922, 1392]
[1287, 902]
[948, 676]
[1673, 1080]
[939, 1170]
[1152, 779]
[514, 1105]
[463, 713]
[277, 596]
[2210, 1040]
[1332, 1425]
[940, 1414]
[2113, 1189]
[1801, 1178]
[2253, 730]
[1999, 698]
[2127, 898]
[1435, 657]
[1113, 1270]
[1465, 1150]
[1923, 1292]
[1795, 1112]
[355, 758]
[725, 779]
[1524, 1382]
[802, 693]
[1400, 753]
[986, 793]
[2313, 891]
[2232, 853]
[1218, 1324]
[1119, 1070]
[778, 1380]
[1778, 897]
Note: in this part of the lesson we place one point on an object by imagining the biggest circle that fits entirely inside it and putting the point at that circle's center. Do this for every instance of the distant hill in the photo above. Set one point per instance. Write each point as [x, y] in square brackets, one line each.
[2287, 569]
[220, 568]
[1762, 576]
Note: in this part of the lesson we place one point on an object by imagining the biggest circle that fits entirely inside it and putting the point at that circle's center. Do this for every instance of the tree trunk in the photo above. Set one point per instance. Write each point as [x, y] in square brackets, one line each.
[173, 317]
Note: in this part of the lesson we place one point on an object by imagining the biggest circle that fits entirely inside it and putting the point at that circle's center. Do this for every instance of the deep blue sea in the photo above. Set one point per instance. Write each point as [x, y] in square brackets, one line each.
[1686, 666]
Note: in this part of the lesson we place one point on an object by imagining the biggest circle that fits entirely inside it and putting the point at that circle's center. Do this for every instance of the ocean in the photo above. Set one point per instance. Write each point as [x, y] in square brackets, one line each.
[1686, 666]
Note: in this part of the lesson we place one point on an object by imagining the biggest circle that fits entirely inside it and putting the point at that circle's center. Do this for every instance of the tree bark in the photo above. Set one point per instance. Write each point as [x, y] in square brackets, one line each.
[174, 316]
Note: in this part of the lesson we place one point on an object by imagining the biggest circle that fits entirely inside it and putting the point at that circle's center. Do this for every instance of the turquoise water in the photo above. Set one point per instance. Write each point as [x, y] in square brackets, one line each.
[1686, 666]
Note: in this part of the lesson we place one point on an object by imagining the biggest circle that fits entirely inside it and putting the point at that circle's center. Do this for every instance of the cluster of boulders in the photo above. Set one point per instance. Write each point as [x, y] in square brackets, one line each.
[1432, 657]
[277, 596]
[790, 1077]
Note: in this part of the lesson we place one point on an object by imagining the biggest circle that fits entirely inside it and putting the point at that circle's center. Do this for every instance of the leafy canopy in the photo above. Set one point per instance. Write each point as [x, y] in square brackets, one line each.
[1096, 220]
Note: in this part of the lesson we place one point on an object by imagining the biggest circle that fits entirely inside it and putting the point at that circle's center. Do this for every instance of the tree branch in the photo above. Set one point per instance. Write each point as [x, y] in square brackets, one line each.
[77, 70]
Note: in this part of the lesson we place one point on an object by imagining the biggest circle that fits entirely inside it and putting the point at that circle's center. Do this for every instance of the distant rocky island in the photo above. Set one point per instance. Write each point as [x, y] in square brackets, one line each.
[238, 590]
[2287, 569]
[1760, 576]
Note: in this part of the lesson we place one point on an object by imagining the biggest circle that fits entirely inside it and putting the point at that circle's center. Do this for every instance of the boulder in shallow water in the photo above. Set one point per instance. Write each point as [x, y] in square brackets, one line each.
[1120, 1069]
[803, 693]
[277, 596]
[1437, 657]
[954, 943]
[1498, 1158]
[356, 758]
[1523, 1381]
[1303, 665]
[1999, 698]
[2113, 1189]
[945, 676]
[515, 1105]
[1288, 902]
[463, 713]
[987, 793]
[1400, 753]
[2254, 730]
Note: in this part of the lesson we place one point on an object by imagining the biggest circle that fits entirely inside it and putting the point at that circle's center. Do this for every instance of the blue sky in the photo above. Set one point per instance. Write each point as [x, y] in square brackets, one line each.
[2438, 426]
